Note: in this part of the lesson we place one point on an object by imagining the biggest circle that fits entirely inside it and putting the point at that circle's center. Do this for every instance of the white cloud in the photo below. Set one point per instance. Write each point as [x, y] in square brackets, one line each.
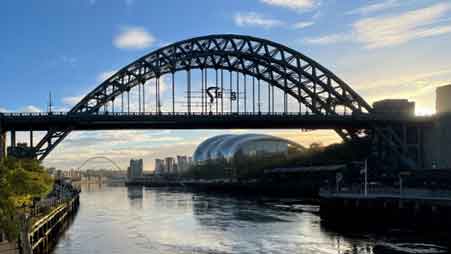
[71, 100]
[104, 75]
[30, 109]
[255, 20]
[134, 38]
[4, 110]
[383, 31]
[303, 24]
[298, 5]
[330, 39]
[375, 7]
[120, 146]
[123, 145]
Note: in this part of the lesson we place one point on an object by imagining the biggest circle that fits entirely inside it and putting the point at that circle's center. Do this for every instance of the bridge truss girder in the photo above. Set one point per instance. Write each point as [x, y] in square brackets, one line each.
[311, 84]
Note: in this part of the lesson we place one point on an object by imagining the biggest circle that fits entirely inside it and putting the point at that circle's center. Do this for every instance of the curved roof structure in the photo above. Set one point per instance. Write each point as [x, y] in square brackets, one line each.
[226, 146]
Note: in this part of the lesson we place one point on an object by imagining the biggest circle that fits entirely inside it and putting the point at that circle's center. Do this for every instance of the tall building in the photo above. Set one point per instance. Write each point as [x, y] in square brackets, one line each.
[135, 169]
[160, 167]
[182, 163]
[169, 163]
[443, 99]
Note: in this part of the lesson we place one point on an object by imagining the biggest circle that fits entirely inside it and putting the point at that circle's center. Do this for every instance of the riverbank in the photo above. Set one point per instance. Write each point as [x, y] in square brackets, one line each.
[43, 223]
[45, 232]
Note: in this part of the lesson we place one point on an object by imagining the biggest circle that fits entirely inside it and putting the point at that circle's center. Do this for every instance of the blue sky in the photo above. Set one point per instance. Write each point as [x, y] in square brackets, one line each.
[383, 49]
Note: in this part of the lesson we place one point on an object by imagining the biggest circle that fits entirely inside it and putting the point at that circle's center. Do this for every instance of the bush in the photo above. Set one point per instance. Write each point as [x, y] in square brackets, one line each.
[20, 182]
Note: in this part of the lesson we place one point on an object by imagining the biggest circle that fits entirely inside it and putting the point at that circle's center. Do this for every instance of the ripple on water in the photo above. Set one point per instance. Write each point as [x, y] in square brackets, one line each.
[146, 220]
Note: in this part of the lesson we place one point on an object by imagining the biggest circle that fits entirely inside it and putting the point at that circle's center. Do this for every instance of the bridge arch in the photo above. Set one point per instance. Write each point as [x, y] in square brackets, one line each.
[102, 158]
[296, 75]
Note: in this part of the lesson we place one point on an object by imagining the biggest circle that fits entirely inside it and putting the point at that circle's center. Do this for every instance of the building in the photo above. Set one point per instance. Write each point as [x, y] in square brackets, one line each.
[395, 106]
[170, 165]
[160, 167]
[135, 169]
[182, 163]
[232, 147]
[437, 137]
[443, 99]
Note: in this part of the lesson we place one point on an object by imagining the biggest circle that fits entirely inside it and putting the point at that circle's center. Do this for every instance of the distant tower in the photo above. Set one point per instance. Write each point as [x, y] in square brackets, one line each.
[50, 103]
[443, 99]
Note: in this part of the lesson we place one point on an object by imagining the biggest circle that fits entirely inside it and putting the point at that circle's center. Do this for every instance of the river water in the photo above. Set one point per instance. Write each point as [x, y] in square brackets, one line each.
[144, 220]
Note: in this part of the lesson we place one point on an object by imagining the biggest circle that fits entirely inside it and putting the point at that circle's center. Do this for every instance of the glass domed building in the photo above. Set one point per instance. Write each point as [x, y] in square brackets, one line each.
[230, 147]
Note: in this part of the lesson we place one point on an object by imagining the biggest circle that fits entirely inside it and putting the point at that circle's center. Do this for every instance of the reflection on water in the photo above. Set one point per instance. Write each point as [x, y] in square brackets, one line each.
[144, 220]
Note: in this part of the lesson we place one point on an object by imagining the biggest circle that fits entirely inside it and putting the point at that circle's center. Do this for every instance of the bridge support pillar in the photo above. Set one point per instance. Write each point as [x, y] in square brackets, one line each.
[13, 138]
[2, 143]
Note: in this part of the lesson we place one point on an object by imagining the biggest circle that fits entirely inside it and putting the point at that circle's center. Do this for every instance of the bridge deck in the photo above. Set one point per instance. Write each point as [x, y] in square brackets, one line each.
[115, 121]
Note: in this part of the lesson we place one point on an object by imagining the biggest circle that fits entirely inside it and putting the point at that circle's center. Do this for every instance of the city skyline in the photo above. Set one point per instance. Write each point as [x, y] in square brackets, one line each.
[364, 36]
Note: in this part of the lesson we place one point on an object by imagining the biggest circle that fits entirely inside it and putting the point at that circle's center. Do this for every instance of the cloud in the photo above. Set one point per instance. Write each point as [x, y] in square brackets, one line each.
[419, 87]
[26, 109]
[134, 38]
[120, 146]
[298, 5]
[407, 79]
[149, 145]
[398, 29]
[104, 75]
[72, 100]
[303, 24]
[254, 19]
[384, 31]
[330, 39]
[30, 109]
[376, 7]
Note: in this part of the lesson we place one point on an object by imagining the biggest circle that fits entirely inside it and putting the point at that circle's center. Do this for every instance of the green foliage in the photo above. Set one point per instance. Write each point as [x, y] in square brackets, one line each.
[20, 182]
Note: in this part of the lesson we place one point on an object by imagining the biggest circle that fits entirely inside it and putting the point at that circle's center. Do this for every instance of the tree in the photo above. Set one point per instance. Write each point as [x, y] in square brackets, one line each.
[20, 182]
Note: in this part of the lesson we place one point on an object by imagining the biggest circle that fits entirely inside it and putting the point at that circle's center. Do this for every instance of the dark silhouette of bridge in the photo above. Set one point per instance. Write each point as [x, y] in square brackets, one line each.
[227, 81]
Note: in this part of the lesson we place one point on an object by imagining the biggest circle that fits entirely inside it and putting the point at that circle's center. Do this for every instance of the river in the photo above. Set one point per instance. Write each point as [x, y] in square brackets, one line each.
[145, 220]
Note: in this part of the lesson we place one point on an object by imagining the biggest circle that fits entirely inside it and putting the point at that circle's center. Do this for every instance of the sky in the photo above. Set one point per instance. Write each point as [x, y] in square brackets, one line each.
[383, 49]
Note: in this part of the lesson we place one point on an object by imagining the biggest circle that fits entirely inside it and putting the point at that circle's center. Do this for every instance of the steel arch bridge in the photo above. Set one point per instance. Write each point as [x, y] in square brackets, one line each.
[275, 75]
[102, 158]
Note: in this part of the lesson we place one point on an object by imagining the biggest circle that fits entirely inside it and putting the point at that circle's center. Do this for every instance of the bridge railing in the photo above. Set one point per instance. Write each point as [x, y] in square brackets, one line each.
[27, 114]
[350, 116]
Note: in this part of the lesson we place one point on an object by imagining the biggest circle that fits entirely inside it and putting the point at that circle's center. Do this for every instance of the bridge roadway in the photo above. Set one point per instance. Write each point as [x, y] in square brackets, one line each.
[117, 121]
